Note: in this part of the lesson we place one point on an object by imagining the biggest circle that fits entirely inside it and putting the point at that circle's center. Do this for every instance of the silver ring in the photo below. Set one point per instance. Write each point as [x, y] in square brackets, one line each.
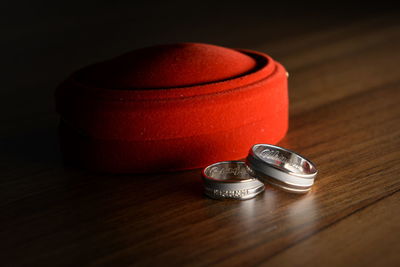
[281, 167]
[230, 179]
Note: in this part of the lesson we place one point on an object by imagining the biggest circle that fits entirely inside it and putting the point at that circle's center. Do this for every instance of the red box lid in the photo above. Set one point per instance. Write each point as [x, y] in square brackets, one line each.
[172, 107]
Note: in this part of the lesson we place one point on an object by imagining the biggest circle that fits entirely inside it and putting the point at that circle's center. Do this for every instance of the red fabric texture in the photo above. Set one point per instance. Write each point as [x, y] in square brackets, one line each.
[171, 107]
[168, 66]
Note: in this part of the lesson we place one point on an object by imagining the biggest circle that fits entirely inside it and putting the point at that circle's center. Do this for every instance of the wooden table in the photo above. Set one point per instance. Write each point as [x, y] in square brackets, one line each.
[344, 115]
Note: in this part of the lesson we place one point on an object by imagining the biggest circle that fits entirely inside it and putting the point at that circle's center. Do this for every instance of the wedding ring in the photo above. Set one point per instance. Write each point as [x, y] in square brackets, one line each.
[281, 167]
[230, 179]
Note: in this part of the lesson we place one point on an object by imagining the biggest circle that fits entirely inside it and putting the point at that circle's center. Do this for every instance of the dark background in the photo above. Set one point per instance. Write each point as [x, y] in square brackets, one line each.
[44, 41]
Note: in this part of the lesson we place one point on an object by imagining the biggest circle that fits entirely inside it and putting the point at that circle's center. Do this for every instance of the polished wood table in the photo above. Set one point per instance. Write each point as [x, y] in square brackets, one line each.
[344, 115]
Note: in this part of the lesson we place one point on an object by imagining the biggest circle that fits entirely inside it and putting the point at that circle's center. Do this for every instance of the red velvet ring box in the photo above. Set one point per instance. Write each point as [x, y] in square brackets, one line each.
[171, 107]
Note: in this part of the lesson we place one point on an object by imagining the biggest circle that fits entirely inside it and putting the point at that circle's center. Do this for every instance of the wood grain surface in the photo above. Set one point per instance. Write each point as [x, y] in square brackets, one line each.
[344, 115]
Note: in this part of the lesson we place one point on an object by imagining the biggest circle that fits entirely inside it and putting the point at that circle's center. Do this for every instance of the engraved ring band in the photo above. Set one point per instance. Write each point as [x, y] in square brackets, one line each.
[230, 179]
[281, 167]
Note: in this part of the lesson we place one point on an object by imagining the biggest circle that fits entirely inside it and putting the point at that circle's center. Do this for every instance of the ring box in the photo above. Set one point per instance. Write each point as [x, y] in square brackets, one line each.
[171, 107]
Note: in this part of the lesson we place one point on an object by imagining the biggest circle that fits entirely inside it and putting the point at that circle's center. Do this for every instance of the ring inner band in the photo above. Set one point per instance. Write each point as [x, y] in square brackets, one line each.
[284, 160]
[229, 171]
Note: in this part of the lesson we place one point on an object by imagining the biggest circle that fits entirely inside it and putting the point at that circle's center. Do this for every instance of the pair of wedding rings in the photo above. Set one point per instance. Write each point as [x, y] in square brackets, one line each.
[265, 163]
